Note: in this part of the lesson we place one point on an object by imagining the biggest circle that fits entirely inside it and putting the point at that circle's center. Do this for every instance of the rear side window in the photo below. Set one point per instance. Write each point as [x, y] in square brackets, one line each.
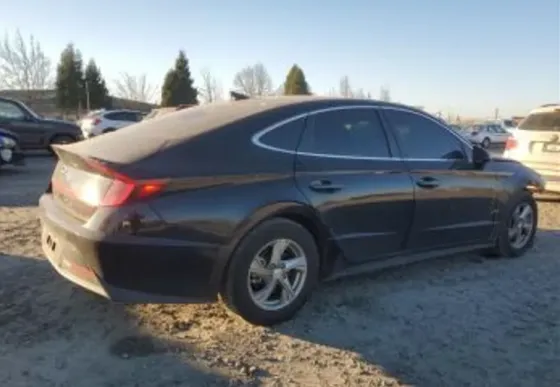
[422, 138]
[121, 116]
[285, 137]
[546, 121]
[349, 132]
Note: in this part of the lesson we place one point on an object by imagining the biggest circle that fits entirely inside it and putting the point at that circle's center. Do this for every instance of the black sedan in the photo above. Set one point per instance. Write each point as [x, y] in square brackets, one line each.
[10, 151]
[34, 131]
[258, 200]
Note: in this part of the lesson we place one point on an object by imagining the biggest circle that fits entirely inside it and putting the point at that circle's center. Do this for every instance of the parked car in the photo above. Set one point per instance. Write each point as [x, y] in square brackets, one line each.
[536, 144]
[104, 121]
[10, 151]
[33, 130]
[488, 134]
[257, 200]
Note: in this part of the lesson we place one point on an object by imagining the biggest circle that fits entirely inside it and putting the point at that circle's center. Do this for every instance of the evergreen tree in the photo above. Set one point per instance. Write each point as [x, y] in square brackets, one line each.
[178, 86]
[295, 82]
[70, 80]
[96, 87]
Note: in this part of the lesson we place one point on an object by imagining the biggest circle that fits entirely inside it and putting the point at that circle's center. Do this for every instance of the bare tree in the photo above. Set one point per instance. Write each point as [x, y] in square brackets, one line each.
[24, 65]
[385, 94]
[211, 89]
[136, 88]
[254, 81]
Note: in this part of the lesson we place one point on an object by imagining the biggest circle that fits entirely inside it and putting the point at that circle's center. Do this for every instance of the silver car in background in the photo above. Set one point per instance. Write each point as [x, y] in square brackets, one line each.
[536, 143]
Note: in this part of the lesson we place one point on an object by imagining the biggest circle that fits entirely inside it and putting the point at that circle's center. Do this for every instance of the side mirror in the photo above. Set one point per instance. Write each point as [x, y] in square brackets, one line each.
[480, 156]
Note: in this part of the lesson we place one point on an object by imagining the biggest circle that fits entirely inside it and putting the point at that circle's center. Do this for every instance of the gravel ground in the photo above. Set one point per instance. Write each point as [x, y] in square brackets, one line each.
[459, 321]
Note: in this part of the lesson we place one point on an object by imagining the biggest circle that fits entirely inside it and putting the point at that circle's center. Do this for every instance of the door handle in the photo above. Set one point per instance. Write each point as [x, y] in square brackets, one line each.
[324, 186]
[427, 182]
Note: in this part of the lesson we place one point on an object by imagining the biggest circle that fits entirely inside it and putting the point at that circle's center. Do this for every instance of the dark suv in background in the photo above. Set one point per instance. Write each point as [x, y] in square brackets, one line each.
[33, 130]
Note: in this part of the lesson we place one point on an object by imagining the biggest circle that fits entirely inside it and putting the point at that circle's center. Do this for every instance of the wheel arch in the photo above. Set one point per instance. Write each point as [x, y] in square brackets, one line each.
[61, 134]
[297, 212]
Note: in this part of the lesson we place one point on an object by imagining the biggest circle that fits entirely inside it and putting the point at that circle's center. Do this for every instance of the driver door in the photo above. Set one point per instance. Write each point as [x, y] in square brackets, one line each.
[454, 201]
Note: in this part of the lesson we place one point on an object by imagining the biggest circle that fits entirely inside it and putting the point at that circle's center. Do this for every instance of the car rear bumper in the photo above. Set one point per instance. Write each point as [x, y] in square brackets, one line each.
[131, 270]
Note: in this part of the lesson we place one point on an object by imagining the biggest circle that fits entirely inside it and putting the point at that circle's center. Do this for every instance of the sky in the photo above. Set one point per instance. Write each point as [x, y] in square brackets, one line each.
[465, 57]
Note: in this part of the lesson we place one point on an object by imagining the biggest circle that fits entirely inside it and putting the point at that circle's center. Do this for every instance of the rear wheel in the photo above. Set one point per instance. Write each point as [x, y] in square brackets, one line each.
[272, 272]
[516, 232]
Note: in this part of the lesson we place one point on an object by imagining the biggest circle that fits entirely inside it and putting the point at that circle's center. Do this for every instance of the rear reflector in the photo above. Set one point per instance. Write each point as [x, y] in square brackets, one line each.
[511, 143]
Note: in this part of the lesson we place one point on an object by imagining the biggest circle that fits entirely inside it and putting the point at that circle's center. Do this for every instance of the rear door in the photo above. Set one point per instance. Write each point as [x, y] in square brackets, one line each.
[346, 169]
[454, 201]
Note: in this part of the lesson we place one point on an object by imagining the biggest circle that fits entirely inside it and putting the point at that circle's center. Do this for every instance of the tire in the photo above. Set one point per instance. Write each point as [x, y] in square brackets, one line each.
[504, 246]
[486, 143]
[240, 286]
[60, 139]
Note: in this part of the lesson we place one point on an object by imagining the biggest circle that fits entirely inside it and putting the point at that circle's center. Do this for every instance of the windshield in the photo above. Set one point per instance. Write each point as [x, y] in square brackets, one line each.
[547, 121]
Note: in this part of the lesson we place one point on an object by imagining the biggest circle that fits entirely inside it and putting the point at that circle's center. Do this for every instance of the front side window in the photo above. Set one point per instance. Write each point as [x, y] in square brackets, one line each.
[348, 132]
[117, 116]
[10, 111]
[422, 138]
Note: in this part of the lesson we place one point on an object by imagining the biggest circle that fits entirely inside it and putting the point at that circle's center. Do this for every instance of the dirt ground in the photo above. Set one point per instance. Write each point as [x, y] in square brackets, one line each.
[458, 321]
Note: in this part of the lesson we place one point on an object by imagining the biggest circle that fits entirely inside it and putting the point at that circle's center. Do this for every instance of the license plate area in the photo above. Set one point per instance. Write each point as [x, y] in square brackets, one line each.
[551, 148]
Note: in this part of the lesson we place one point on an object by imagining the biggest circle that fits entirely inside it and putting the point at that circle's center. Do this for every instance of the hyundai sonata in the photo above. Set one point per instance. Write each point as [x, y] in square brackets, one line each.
[256, 201]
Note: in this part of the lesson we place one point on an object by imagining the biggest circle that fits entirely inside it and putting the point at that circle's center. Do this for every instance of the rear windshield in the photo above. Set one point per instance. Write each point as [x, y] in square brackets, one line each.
[549, 122]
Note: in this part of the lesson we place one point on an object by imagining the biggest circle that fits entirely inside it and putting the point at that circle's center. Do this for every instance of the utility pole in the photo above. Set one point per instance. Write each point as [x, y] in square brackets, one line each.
[496, 113]
[87, 96]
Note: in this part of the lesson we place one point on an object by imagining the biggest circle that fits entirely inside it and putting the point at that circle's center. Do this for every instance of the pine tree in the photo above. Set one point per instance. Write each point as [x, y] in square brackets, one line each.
[96, 87]
[70, 80]
[178, 86]
[296, 83]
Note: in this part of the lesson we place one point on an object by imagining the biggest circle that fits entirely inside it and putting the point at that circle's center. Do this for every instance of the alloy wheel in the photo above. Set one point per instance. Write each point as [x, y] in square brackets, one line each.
[277, 274]
[521, 225]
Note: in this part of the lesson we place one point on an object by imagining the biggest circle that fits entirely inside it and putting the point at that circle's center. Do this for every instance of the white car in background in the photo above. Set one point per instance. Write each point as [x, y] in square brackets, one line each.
[536, 144]
[103, 121]
[488, 134]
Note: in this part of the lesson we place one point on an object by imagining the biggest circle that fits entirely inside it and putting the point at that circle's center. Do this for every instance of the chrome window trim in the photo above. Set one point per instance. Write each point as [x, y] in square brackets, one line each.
[256, 138]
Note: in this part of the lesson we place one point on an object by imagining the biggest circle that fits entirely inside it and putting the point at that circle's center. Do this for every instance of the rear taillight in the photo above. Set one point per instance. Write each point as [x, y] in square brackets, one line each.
[96, 121]
[511, 143]
[108, 188]
[123, 188]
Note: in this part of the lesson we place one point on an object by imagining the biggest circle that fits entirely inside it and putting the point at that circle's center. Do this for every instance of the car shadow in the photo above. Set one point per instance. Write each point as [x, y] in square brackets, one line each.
[52, 333]
[445, 322]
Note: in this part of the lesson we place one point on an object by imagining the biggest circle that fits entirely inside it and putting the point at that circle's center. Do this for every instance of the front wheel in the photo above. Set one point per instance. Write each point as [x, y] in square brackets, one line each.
[486, 143]
[517, 230]
[272, 272]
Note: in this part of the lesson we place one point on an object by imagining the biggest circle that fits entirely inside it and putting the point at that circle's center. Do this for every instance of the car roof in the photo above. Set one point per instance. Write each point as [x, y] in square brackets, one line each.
[182, 125]
[8, 99]
[548, 108]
